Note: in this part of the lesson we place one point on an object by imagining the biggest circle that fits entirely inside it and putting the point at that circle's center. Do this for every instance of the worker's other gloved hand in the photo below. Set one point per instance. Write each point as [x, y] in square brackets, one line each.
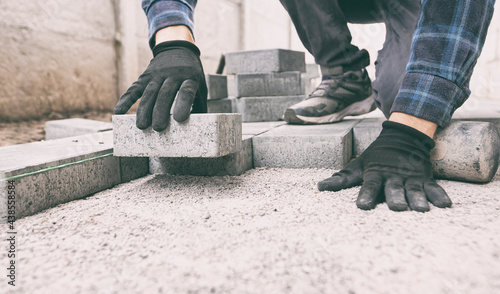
[396, 165]
[176, 67]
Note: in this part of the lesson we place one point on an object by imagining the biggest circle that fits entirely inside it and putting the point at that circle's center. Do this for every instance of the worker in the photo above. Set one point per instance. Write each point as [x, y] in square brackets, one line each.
[422, 77]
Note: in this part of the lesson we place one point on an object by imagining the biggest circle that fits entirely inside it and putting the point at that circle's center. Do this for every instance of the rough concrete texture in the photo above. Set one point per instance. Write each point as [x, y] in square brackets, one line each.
[364, 133]
[57, 171]
[310, 79]
[52, 172]
[267, 231]
[479, 110]
[220, 105]
[132, 168]
[260, 109]
[260, 61]
[232, 164]
[56, 129]
[73, 67]
[268, 84]
[465, 150]
[304, 146]
[202, 135]
[217, 86]
[257, 128]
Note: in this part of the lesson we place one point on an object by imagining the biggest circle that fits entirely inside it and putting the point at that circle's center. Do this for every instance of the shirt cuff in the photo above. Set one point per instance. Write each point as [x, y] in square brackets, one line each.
[429, 97]
[163, 14]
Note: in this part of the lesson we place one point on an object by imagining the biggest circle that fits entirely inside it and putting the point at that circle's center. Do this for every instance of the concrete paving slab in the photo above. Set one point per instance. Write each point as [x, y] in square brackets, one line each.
[364, 133]
[271, 60]
[217, 86]
[305, 146]
[268, 84]
[63, 128]
[52, 172]
[465, 150]
[261, 109]
[132, 168]
[220, 105]
[202, 135]
[230, 165]
[257, 128]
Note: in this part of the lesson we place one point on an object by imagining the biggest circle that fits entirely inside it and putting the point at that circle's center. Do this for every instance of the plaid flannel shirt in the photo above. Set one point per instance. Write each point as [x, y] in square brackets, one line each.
[446, 45]
[165, 13]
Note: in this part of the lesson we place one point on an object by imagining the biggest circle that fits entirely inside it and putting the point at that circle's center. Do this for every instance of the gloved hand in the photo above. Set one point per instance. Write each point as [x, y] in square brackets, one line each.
[397, 164]
[176, 67]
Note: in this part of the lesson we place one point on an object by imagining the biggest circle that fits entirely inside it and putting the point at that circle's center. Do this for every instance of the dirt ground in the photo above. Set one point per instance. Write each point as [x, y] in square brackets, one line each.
[34, 130]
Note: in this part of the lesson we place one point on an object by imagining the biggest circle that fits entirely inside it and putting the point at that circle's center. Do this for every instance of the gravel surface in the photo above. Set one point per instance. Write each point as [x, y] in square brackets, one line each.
[268, 231]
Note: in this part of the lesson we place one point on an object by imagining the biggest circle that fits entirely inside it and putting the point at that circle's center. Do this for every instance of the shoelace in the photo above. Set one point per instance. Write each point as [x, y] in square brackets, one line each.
[326, 84]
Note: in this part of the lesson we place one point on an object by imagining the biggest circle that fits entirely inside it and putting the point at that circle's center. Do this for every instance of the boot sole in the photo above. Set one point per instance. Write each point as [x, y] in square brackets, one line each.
[358, 108]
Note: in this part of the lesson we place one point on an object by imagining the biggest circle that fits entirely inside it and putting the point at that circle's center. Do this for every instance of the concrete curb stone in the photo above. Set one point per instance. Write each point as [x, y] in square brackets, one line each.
[465, 150]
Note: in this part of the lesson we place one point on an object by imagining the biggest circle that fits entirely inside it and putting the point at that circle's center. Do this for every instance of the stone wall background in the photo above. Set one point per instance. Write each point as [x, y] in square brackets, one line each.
[63, 56]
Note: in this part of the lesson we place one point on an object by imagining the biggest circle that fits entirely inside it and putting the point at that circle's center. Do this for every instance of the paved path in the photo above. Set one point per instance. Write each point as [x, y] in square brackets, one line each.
[268, 231]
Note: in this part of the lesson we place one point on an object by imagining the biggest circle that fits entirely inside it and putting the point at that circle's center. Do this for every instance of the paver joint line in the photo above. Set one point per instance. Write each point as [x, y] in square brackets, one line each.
[55, 167]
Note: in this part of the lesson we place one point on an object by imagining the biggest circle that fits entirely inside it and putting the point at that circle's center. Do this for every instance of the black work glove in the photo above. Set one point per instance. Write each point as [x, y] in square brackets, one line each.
[175, 67]
[396, 165]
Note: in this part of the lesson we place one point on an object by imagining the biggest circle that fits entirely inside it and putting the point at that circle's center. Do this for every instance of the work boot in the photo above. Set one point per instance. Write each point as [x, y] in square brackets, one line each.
[339, 94]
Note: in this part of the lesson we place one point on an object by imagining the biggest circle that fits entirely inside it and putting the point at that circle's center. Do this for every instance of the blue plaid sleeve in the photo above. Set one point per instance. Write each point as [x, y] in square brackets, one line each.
[164, 13]
[446, 45]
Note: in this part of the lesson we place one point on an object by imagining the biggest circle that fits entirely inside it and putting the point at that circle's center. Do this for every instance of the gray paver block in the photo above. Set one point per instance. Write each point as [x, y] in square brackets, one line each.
[232, 164]
[312, 71]
[132, 168]
[52, 172]
[465, 150]
[272, 60]
[305, 146]
[217, 86]
[220, 105]
[364, 133]
[257, 128]
[63, 128]
[268, 84]
[202, 135]
[259, 109]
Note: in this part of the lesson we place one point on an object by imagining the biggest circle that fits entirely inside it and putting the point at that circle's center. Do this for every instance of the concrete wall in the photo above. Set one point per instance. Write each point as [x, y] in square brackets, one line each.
[67, 56]
[56, 56]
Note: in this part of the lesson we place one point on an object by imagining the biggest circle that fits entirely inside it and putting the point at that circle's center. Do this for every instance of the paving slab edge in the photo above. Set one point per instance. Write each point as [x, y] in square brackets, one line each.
[79, 160]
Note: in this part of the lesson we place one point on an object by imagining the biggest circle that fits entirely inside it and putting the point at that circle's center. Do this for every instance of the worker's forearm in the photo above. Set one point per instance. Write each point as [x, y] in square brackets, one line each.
[422, 125]
[174, 33]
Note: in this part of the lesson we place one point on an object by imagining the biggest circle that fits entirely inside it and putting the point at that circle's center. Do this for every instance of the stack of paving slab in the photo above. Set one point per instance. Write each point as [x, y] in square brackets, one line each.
[218, 101]
[266, 82]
